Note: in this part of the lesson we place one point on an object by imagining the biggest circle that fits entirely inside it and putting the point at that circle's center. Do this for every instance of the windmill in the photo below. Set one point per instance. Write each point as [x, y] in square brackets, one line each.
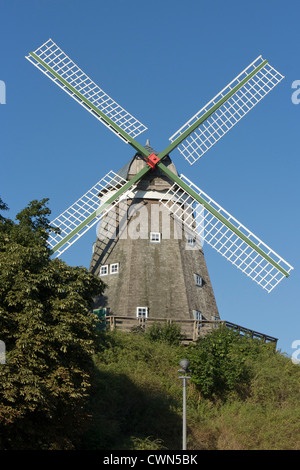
[151, 179]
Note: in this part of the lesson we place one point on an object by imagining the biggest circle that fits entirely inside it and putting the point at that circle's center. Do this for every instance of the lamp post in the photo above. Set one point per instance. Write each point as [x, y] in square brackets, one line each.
[184, 363]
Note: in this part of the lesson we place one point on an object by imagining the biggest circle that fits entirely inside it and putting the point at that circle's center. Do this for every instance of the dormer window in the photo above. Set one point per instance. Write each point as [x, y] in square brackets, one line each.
[198, 280]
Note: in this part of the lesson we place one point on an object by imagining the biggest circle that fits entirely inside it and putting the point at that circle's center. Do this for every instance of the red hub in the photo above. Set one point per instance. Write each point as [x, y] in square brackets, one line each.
[152, 160]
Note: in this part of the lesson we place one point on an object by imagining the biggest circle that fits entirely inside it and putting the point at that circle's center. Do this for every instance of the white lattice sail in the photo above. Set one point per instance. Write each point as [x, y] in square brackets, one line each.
[230, 112]
[65, 70]
[85, 213]
[247, 252]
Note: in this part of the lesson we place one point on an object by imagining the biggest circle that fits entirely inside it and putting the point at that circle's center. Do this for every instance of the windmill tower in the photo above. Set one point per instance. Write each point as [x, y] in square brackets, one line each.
[142, 246]
[134, 267]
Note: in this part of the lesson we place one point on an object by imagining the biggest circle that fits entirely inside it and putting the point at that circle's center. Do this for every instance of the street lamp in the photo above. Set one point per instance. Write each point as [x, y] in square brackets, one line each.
[184, 364]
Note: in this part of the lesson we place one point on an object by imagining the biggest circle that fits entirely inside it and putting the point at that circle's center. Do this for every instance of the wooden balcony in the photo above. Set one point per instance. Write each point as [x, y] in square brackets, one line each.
[190, 329]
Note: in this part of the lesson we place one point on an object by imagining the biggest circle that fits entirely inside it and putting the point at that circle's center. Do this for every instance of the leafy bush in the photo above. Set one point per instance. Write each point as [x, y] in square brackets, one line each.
[220, 362]
[169, 333]
[137, 443]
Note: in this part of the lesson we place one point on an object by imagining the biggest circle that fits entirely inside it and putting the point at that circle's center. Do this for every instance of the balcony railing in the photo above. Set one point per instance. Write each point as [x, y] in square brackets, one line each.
[190, 329]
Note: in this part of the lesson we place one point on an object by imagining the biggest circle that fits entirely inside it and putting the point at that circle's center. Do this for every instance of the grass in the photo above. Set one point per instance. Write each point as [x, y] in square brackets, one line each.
[136, 401]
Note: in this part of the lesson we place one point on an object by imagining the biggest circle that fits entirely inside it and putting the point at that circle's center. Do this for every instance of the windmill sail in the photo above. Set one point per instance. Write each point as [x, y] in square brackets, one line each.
[85, 212]
[54, 63]
[227, 108]
[226, 235]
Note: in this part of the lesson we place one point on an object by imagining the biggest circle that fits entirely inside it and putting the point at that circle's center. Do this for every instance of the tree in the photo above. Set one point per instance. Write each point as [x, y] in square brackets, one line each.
[48, 328]
[3, 207]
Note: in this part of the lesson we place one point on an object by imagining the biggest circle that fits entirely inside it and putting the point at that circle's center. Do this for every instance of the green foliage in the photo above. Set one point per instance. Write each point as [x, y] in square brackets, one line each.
[148, 443]
[48, 330]
[34, 219]
[220, 362]
[136, 394]
[165, 332]
[136, 399]
[3, 207]
[275, 380]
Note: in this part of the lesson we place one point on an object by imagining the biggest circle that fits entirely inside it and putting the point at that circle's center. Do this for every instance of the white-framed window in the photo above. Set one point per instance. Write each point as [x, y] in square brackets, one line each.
[191, 241]
[197, 315]
[142, 312]
[103, 270]
[114, 268]
[198, 280]
[155, 237]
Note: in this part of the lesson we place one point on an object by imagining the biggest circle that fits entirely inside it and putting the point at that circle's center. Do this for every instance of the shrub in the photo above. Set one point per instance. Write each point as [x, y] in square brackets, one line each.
[165, 332]
[220, 362]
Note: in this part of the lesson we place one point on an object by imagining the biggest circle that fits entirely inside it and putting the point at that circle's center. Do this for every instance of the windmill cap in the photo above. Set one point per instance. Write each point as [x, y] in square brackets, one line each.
[148, 147]
[137, 162]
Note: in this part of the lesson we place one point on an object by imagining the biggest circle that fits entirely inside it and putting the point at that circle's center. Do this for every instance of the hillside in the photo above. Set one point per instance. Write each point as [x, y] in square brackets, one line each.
[243, 394]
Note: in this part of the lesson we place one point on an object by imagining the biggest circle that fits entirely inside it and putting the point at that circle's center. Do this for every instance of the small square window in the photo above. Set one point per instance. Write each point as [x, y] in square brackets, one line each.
[155, 237]
[198, 280]
[142, 312]
[191, 241]
[103, 270]
[114, 268]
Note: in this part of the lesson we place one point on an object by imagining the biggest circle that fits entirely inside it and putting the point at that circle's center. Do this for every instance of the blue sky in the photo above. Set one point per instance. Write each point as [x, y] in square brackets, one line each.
[162, 60]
